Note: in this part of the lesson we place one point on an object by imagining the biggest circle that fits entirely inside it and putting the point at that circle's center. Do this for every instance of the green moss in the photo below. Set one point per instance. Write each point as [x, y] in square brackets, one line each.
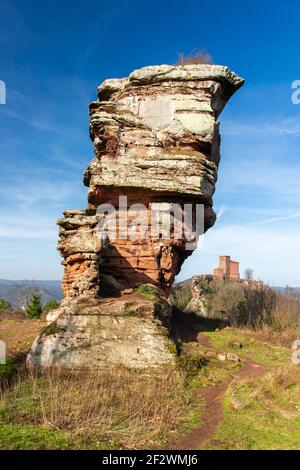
[51, 329]
[192, 363]
[148, 291]
[172, 347]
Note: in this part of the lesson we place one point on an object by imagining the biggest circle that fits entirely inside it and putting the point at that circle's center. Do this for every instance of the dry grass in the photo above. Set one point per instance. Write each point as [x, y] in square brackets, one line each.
[12, 315]
[132, 408]
[18, 334]
[273, 335]
[197, 56]
[282, 378]
[284, 327]
[287, 311]
[277, 391]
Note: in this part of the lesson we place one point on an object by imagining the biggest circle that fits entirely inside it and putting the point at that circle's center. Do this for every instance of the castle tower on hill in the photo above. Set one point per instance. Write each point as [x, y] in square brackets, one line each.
[227, 269]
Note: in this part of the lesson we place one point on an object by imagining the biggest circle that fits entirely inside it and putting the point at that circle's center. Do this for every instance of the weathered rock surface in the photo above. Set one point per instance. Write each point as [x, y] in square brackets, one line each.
[156, 143]
[156, 139]
[128, 331]
[80, 246]
[199, 301]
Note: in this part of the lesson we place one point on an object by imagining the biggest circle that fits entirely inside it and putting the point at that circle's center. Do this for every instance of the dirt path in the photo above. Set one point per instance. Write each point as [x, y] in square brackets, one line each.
[213, 409]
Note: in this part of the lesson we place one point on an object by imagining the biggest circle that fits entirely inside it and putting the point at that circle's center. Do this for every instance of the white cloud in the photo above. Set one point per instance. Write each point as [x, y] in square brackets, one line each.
[282, 218]
[32, 191]
[267, 127]
[275, 178]
[28, 225]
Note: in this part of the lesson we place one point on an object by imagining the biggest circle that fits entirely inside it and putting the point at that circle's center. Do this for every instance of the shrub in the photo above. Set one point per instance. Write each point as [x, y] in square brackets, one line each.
[260, 302]
[228, 303]
[148, 291]
[287, 311]
[192, 363]
[4, 306]
[180, 297]
[51, 305]
[205, 286]
[197, 56]
[33, 308]
[12, 314]
[249, 304]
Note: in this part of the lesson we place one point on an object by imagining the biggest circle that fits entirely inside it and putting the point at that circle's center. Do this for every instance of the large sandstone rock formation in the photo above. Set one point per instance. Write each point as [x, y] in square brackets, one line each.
[156, 143]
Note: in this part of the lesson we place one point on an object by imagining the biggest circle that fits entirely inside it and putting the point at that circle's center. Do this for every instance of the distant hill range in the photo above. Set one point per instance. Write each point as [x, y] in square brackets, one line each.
[292, 290]
[16, 292]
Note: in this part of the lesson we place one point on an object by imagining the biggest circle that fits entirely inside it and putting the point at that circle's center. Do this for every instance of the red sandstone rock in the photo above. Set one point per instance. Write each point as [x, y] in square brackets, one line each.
[156, 140]
[157, 143]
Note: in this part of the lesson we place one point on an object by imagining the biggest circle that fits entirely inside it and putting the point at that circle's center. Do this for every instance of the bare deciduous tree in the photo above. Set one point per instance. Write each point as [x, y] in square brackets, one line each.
[248, 274]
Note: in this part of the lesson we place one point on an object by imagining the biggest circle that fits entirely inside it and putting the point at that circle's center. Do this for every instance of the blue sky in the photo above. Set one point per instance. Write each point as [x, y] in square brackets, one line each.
[53, 55]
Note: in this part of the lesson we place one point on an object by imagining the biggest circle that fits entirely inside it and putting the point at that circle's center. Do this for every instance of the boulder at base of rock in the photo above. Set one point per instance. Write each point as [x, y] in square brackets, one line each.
[129, 331]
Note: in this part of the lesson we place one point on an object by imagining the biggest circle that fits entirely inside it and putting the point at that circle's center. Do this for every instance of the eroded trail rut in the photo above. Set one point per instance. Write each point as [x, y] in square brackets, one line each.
[213, 409]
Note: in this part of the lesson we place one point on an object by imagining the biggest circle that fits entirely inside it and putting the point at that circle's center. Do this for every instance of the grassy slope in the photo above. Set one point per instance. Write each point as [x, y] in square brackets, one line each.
[142, 411]
[269, 421]
[18, 335]
[260, 351]
[118, 410]
[269, 417]
[269, 407]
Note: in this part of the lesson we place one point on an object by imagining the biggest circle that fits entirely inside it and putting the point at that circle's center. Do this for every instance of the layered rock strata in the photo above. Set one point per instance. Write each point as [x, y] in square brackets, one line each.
[157, 145]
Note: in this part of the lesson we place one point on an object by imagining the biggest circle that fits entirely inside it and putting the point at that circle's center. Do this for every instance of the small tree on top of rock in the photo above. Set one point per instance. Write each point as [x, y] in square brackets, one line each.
[34, 308]
[197, 56]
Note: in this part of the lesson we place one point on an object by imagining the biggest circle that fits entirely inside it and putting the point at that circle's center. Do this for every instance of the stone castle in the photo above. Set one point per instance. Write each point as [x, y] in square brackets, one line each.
[156, 143]
[227, 269]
